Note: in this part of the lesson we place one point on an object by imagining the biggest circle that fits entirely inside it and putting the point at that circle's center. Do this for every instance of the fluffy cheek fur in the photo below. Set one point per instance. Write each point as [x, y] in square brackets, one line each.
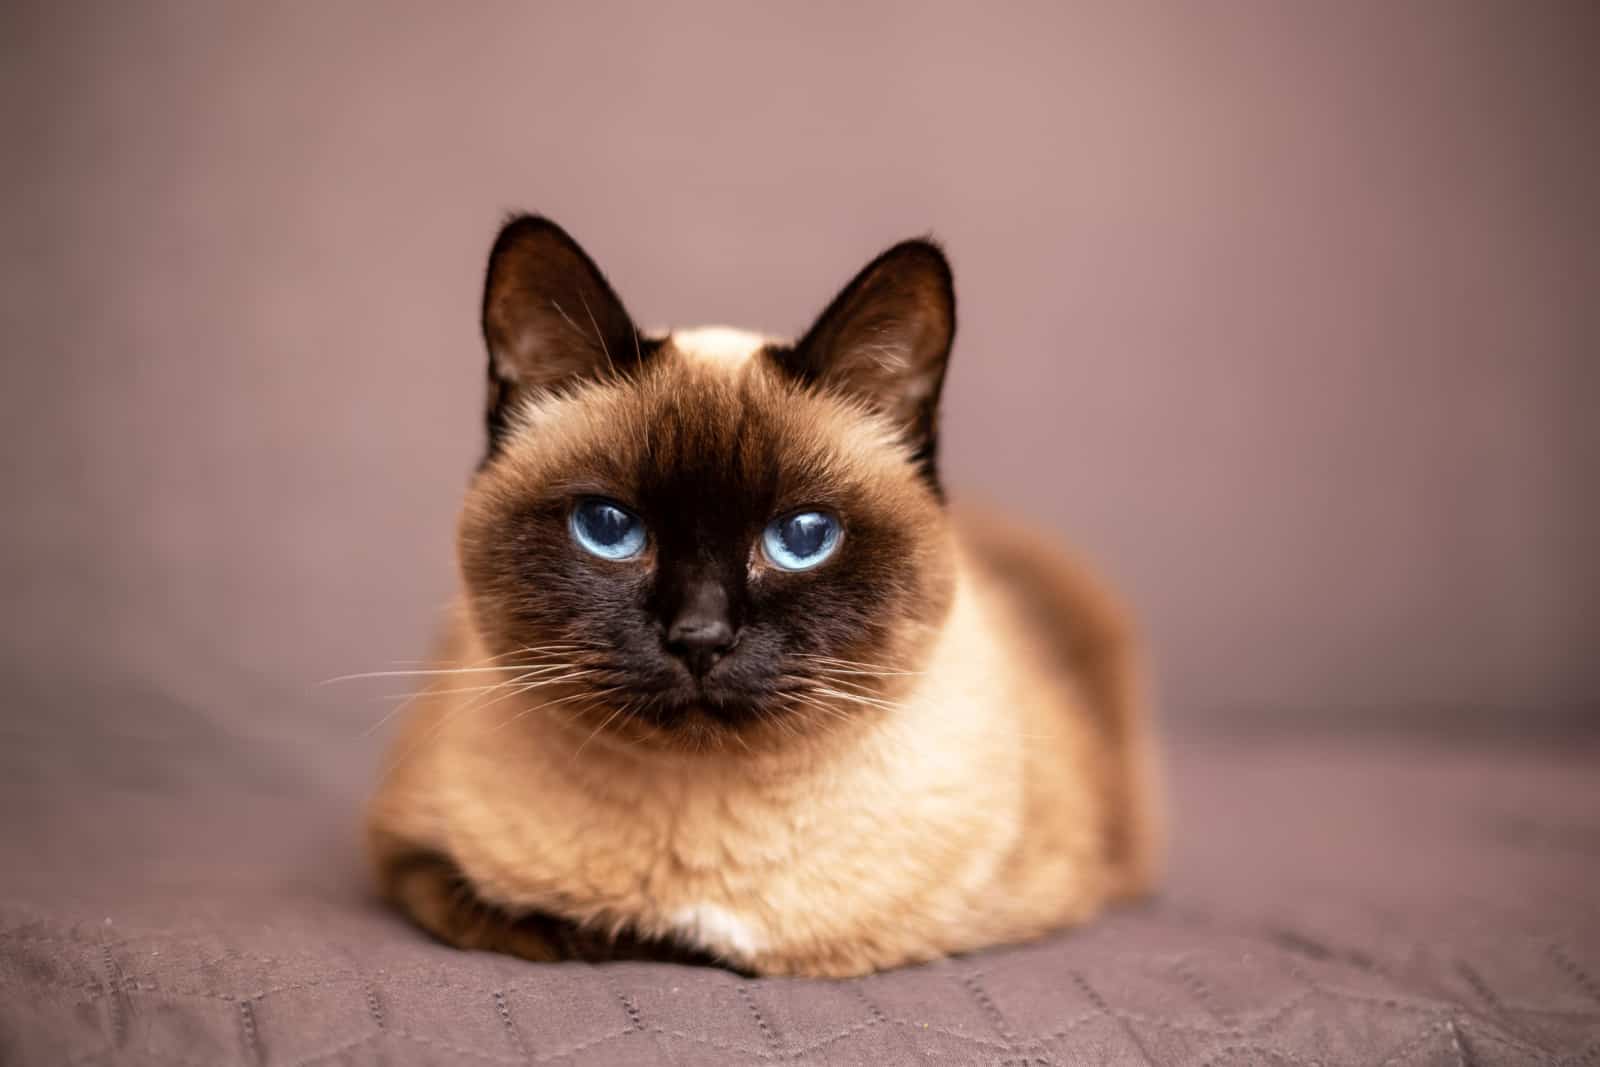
[707, 462]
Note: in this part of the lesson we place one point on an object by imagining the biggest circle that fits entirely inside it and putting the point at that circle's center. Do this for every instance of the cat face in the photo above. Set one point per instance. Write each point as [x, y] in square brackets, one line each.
[708, 536]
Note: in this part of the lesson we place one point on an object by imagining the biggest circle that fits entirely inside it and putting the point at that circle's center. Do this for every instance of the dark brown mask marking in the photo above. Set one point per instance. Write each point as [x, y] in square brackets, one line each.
[707, 457]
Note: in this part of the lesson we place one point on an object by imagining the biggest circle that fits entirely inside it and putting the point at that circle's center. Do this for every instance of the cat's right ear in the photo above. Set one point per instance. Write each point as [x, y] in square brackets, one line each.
[550, 319]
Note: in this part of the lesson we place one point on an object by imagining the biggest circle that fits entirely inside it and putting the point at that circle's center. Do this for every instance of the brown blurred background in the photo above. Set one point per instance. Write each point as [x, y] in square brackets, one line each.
[1284, 312]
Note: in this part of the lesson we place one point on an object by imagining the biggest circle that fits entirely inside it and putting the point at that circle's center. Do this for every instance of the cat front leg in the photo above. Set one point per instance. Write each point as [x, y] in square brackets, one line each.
[433, 892]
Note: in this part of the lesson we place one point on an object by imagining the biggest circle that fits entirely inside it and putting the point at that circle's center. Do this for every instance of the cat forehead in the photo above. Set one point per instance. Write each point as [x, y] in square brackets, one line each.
[707, 402]
[719, 345]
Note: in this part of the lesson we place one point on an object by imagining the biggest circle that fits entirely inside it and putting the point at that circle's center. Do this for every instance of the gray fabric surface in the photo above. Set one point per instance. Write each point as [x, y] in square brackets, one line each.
[184, 891]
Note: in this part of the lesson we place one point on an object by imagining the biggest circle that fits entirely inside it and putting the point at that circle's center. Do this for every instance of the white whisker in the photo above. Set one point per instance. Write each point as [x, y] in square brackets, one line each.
[597, 334]
[607, 722]
[856, 698]
[851, 664]
[434, 671]
[530, 675]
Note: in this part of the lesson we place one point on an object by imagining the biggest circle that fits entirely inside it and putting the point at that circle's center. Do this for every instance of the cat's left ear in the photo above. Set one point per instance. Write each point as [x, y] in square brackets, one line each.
[885, 340]
[550, 319]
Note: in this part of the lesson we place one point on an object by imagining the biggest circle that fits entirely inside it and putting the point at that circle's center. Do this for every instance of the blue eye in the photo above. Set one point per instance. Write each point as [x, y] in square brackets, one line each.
[607, 530]
[800, 541]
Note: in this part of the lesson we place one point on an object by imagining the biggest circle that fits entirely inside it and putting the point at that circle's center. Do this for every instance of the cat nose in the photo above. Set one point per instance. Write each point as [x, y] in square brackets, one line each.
[701, 633]
[699, 642]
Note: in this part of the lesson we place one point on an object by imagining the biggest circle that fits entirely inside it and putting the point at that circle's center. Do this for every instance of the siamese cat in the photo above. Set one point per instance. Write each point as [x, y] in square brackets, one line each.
[728, 679]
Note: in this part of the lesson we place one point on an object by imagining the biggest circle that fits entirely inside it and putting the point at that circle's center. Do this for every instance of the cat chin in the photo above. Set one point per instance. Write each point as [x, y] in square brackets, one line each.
[721, 713]
[698, 724]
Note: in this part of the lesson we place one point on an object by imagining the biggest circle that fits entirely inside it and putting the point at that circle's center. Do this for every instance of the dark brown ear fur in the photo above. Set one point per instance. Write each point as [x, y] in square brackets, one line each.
[549, 318]
[886, 340]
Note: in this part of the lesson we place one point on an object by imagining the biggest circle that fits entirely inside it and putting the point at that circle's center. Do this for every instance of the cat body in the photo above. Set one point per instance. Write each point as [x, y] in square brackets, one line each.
[928, 741]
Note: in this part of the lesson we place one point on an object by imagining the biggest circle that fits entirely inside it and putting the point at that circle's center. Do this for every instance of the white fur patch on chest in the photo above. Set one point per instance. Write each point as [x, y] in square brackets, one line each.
[718, 930]
[718, 344]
